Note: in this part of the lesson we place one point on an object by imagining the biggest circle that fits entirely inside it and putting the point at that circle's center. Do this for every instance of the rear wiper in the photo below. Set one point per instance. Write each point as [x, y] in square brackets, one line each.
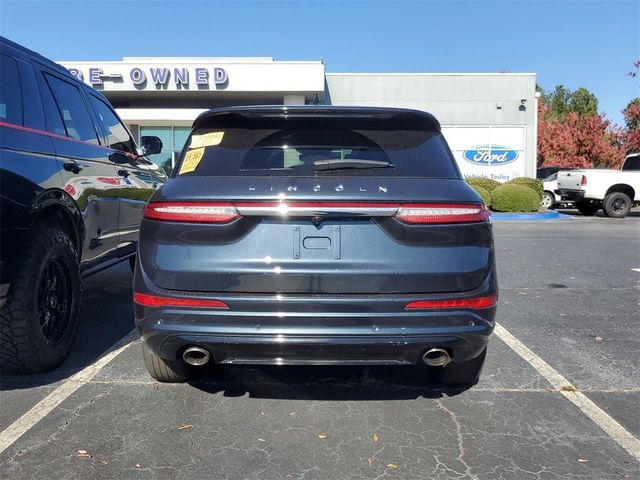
[340, 163]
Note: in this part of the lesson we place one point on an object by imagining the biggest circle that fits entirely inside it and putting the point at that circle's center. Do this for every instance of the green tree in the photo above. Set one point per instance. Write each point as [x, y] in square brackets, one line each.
[559, 101]
[562, 101]
[583, 102]
[632, 114]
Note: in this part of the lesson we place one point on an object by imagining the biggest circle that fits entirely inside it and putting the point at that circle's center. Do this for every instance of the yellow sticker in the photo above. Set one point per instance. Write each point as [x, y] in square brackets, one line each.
[206, 139]
[191, 160]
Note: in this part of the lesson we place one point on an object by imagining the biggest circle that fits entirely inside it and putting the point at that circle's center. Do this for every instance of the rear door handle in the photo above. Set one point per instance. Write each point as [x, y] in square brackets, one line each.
[123, 173]
[72, 167]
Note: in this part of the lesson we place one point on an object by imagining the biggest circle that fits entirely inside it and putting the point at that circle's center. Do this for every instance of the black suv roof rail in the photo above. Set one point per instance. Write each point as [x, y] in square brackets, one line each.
[265, 111]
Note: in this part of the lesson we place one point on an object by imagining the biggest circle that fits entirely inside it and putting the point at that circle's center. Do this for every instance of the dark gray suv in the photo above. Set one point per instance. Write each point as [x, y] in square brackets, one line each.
[316, 235]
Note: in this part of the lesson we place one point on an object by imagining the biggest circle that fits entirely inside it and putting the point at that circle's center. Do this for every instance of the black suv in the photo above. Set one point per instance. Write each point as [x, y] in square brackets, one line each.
[316, 235]
[73, 186]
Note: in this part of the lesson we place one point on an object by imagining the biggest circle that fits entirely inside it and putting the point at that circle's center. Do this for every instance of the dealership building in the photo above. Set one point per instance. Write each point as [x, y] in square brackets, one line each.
[488, 119]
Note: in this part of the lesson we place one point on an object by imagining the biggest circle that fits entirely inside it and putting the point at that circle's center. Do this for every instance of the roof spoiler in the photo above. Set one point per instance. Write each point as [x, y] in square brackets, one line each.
[243, 115]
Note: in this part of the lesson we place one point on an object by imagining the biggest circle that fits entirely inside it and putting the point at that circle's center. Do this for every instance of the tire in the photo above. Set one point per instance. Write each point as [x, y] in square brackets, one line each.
[588, 209]
[464, 374]
[547, 201]
[39, 321]
[165, 371]
[617, 205]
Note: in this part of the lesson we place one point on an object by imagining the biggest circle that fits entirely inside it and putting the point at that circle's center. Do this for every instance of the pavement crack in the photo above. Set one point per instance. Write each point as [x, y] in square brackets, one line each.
[461, 449]
[59, 430]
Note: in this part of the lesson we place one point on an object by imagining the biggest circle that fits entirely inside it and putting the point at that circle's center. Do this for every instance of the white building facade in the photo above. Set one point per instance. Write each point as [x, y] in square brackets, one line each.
[488, 119]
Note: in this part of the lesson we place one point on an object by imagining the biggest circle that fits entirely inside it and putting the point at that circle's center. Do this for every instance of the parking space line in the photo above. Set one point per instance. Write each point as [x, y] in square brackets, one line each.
[636, 270]
[616, 431]
[22, 425]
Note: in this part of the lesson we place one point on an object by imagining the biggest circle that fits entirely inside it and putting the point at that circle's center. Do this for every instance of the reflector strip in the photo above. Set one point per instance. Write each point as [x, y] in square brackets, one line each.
[195, 212]
[477, 302]
[156, 301]
[418, 213]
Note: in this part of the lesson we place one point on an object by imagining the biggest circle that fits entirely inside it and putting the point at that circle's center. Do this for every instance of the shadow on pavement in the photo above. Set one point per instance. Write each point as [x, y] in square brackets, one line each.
[107, 316]
[321, 382]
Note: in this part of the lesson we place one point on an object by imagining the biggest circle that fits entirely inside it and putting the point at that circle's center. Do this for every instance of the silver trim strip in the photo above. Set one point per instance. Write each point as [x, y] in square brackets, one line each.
[285, 210]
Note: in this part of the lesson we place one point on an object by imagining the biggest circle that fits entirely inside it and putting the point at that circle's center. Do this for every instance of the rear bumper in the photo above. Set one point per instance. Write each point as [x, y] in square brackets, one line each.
[315, 330]
[571, 195]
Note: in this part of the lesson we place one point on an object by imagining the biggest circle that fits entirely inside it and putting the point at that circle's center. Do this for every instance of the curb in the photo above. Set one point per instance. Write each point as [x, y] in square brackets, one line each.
[551, 215]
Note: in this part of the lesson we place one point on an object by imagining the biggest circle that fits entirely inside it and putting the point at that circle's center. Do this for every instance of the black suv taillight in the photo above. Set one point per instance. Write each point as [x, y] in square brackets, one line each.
[193, 212]
[427, 213]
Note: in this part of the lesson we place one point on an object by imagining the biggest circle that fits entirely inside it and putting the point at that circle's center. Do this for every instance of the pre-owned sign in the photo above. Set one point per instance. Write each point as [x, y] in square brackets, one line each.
[158, 77]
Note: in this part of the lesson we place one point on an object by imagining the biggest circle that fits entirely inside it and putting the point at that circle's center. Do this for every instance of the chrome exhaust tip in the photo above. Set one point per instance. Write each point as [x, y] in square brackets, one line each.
[196, 356]
[436, 357]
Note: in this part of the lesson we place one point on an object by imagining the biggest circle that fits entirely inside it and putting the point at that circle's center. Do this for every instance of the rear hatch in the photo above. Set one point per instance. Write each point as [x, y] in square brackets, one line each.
[316, 201]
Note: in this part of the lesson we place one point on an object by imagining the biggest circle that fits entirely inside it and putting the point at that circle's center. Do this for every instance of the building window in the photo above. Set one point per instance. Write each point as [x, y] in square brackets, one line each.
[173, 139]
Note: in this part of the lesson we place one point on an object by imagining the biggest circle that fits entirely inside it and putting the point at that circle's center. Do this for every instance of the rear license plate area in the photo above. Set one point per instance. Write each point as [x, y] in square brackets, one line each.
[317, 242]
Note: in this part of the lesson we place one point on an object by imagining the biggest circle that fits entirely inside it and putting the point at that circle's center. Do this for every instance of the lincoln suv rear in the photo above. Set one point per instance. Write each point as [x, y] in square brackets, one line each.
[316, 235]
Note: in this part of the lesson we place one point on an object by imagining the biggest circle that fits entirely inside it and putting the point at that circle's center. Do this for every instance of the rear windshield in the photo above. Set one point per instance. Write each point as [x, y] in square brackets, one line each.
[315, 147]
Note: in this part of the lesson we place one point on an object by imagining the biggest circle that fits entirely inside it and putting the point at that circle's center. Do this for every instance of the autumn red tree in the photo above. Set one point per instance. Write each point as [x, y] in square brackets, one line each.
[572, 140]
[632, 121]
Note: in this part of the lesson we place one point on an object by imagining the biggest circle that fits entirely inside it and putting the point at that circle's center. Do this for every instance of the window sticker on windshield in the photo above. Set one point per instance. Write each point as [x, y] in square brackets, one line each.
[191, 160]
[206, 139]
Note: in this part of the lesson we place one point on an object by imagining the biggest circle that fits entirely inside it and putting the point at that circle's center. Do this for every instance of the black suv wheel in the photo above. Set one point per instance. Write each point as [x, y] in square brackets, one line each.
[39, 321]
[462, 374]
[165, 371]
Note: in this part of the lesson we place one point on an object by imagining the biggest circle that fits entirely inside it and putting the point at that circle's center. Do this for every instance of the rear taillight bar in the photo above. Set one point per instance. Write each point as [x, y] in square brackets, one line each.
[425, 213]
[477, 303]
[583, 181]
[158, 301]
[225, 212]
[194, 212]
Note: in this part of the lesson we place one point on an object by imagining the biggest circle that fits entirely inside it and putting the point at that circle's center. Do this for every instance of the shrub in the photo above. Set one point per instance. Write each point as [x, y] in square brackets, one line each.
[486, 196]
[514, 198]
[533, 183]
[486, 183]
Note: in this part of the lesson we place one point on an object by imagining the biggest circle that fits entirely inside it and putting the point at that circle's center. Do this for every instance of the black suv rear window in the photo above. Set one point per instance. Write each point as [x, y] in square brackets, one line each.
[316, 147]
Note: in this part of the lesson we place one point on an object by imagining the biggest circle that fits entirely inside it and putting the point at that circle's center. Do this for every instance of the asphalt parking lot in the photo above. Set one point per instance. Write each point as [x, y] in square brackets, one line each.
[570, 296]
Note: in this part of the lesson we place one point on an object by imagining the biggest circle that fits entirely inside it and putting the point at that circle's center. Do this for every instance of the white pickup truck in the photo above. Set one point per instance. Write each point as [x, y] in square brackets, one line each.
[615, 191]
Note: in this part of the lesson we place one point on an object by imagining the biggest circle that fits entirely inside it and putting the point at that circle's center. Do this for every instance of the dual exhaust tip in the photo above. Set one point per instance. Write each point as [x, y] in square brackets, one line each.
[434, 357]
[196, 356]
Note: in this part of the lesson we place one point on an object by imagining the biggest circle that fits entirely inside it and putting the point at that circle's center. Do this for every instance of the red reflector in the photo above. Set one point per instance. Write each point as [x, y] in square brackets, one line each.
[583, 181]
[477, 302]
[155, 301]
[416, 213]
[195, 212]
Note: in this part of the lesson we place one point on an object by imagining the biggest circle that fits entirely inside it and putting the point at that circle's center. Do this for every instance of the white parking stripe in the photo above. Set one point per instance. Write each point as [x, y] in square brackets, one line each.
[616, 431]
[22, 425]
[636, 270]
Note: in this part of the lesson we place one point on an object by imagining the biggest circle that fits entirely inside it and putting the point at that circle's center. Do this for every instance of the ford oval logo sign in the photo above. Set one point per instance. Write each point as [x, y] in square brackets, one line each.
[490, 155]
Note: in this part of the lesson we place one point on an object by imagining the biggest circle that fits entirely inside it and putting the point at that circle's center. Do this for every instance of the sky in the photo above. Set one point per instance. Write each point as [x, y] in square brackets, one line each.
[590, 44]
